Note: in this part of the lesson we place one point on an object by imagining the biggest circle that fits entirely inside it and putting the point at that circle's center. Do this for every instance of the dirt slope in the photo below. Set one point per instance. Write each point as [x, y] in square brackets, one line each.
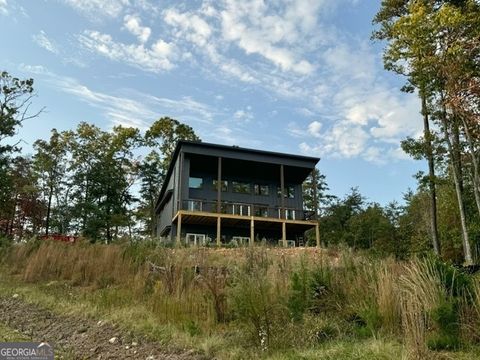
[82, 338]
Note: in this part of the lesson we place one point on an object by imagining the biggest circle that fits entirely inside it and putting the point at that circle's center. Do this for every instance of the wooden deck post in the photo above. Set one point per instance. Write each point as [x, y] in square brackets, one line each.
[284, 233]
[219, 234]
[252, 231]
[317, 234]
[179, 228]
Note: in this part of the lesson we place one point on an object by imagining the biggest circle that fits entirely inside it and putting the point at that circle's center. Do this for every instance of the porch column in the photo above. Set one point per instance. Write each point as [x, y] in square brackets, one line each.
[284, 233]
[282, 192]
[219, 234]
[317, 234]
[219, 185]
[252, 231]
[179, 228]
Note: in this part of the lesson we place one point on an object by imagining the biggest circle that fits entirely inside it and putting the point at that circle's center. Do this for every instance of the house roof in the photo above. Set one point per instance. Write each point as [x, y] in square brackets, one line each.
[237, 149]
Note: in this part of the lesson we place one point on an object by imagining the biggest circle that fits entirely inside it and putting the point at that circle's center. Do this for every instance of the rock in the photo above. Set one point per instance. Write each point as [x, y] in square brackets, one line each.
[127, 347]
[82, 330]
[113, 340]
[15, 296]
[134, 343]
[150, 357]
[100, 323]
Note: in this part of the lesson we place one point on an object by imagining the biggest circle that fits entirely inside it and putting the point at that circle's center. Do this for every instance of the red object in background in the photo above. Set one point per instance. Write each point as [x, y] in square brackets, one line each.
[57, 237]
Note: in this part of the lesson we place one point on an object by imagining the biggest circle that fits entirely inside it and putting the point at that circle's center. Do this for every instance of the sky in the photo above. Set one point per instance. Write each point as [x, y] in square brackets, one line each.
[294, 76]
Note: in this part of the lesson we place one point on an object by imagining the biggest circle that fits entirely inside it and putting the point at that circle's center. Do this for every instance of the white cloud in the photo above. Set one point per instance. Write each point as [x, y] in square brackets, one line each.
[43, 41]
[94, 8]
[341, 141]
[3, 7]
[188, 25]
[244, 114]
[137, 109]
[251, 26]
[289, 50]
[132, 23]
[128, 107]
[314, 129]
[155, 59]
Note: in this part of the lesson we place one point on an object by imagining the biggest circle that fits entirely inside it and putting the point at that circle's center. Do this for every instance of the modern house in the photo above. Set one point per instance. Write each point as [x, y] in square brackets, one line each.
[217, 194]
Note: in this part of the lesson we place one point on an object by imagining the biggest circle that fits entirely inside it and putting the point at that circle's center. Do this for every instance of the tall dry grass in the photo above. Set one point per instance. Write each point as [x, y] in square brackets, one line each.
[263, 297]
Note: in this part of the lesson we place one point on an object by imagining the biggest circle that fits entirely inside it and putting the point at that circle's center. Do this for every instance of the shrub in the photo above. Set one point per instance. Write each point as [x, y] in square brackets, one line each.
[299, 295]
[445, 317]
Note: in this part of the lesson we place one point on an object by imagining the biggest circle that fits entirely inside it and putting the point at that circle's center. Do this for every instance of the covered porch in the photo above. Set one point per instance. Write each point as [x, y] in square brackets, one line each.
[254, 228]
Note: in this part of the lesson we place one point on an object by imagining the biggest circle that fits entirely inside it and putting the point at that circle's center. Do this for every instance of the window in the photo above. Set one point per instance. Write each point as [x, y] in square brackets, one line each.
[261, 189]
[240, 209]
[195, 183]
[289, 192]
[194, 205]
[195, 239]
[241, 187]
[289, 214]
[261, 211]
[224, 185]
[240, 240]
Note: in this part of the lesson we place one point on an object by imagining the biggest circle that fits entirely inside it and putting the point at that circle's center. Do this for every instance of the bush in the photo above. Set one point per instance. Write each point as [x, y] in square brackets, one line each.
[446, 336]
[5, 245]
[299, 296]
[455, 282]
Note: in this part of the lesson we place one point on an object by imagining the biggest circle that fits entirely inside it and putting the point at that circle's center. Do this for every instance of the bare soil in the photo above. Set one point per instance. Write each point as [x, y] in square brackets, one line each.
[82, 338]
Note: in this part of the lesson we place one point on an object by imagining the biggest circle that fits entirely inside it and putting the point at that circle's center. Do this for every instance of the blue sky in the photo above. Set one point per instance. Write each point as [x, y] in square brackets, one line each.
[296, 76]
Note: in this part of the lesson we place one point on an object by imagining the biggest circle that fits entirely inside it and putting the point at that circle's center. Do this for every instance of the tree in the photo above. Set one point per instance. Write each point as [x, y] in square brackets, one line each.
[50, 163]
[334, 222]
[104, 169]
[315, 196]
[162, 136]
[434, 44]
[15, 102]
[371, 228]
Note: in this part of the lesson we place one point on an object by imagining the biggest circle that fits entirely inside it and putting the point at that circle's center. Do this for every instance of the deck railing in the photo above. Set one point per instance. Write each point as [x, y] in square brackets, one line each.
[245, 209]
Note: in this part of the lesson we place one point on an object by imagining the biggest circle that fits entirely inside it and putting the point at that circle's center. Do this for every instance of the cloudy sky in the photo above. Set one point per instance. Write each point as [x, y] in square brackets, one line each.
[296, 76]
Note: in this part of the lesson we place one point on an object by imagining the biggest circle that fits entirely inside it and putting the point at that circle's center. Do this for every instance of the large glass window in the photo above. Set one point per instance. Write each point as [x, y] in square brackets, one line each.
[240, 240]
[289, 214]
[289, 192]
[261, 211]
[261, 189]
[196, 239]
[224, 184]
[240, 209]
[194, 205]
[241, 187]
[195, 183]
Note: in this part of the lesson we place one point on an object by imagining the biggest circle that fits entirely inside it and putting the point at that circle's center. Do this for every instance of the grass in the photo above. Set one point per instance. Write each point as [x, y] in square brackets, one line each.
[11, 335]
[257, 302]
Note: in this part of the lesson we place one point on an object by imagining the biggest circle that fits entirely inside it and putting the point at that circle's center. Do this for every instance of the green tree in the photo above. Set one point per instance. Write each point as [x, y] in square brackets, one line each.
[15, 102]
[104, 169]
[435, 45]
[50, 163]
[162, 137]
[315, 192]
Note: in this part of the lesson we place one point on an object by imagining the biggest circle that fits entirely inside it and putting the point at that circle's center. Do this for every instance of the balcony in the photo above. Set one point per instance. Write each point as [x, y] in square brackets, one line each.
[246, 210]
